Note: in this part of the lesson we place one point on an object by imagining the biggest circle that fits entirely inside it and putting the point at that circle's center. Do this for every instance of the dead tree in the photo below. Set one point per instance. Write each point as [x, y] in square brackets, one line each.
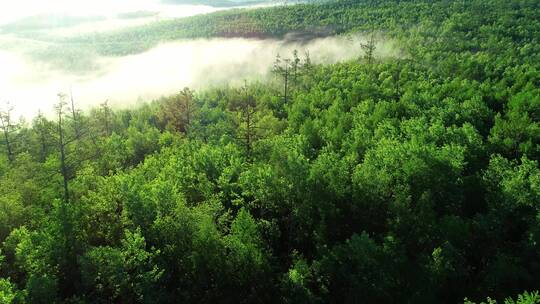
[62, 142]
[75, 140]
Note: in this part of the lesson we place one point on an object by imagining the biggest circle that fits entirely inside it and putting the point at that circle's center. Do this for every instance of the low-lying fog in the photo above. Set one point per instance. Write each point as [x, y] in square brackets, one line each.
[30, 86]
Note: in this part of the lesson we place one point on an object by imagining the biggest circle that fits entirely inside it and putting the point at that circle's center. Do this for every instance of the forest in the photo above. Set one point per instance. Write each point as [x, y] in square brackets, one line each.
[408, 179]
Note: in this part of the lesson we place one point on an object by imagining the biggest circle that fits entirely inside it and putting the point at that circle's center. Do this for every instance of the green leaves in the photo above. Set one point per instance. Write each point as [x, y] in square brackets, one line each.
[524, 298]
[7, 292]
[127, 274]
[354, 271]
[12, 214]
[412, 179]
[511, 185]
[245, 242]
[518, 132]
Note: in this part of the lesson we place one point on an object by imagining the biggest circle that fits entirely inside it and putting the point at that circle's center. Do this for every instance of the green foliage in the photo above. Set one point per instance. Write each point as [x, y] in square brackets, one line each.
[7, 293]
[409, 179]
[354, 271]
[12, 214]
[247, 251]
[126, 274]
[524, 298]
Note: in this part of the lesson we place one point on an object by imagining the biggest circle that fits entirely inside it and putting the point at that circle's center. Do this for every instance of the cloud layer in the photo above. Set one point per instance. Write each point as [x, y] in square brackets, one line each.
[30, 86]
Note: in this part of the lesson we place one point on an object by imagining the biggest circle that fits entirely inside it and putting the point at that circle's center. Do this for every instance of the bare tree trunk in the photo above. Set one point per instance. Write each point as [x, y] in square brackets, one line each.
[63, 158]
[62, 146]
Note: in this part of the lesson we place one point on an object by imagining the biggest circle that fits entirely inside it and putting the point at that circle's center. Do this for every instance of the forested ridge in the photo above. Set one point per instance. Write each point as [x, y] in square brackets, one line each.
[404, 19]
[409, 179]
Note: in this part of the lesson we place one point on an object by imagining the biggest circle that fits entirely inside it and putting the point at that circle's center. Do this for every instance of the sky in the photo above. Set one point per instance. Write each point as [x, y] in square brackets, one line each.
[16, 9]
[31, 85]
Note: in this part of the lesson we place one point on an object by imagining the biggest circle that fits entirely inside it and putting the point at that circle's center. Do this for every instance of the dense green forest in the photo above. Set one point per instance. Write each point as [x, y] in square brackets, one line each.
[410, 21]
[411, 179]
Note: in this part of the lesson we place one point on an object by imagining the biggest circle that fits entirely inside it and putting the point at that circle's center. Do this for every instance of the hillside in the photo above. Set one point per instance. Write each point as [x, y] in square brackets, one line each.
[412, 178]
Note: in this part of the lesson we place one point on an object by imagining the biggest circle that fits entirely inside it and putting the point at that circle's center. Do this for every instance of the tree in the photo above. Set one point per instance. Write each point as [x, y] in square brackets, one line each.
[178, 111]
[7, 291]
[246, 107]
[75, 142]
[127, 274]
[356, 271]
[306, 66]
[296, 68]
[517, 132]
[42, 129]
[524, 298]
[283, 68]
[251, 119]
[369, 48]
[105, 118]
[62, 142]
[8, 128]
[291, 72]
[247, 256]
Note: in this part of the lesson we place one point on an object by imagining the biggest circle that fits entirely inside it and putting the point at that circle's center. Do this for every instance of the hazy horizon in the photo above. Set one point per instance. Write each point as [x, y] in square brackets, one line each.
[158, 72]
[105, 8]
[32, 74]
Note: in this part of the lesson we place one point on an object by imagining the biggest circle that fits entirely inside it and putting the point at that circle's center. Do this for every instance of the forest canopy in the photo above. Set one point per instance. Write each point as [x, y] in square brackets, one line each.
[408, 179]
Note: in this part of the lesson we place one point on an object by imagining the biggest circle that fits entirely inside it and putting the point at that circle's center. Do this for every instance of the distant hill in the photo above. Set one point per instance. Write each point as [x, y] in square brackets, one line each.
[137, 14]
[219, 3]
